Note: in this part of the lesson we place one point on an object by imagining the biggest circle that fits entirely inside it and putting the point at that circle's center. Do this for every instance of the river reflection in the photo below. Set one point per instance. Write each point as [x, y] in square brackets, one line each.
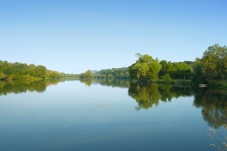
[214, 106]
[122, 83]
[147, 95]
[17, 87]
[125, 115]
[213, 102]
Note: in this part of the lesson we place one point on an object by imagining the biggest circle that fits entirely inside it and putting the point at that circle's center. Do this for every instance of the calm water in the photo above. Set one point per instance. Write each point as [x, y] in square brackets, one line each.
[106, 116]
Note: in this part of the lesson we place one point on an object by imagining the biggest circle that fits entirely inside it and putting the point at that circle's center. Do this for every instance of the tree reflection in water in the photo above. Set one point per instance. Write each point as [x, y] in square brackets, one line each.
[17, 87]
[147, 95]
[122, 83]
[214, 106]
[87, 82]
[213, 102]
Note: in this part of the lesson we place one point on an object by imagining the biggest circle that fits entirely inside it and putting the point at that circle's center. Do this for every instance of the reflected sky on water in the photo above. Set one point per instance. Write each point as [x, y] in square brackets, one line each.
[73, 115]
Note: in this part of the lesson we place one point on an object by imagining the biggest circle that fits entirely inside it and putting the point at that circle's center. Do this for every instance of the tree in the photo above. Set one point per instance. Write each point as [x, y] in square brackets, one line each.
[197, 68]
[87, 75]
[40, 71]
[214, 63]
[110, 76]
[146, 68]
[2, 75]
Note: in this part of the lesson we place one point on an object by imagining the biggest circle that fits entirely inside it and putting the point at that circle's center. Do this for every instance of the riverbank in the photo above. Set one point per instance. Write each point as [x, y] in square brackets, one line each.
[218, 84]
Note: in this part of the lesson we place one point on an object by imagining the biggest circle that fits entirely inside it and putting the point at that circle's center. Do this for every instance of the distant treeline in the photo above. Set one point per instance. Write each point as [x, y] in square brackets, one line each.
[118, 73]
[114, 73]
[211, 68]
[22, 71]
[169, 70]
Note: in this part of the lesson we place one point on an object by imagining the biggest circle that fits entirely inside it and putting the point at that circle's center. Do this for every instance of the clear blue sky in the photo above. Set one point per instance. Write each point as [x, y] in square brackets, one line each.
[73, 36]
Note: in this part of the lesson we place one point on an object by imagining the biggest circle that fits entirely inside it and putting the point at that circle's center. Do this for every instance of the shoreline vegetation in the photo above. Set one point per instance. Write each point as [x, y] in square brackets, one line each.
[211, 70]
[10, 72]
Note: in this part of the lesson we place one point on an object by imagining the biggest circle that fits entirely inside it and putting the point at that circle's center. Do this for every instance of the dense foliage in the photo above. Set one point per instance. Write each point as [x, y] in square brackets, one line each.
[87, 75]
[114, 73]
[21, 71]
[176, 70]
[212, 66]
[146, 68]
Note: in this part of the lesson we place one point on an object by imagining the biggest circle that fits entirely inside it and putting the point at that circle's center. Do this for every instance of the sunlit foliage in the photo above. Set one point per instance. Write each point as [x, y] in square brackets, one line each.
[24, 72]
[145, 69]
[87, 75]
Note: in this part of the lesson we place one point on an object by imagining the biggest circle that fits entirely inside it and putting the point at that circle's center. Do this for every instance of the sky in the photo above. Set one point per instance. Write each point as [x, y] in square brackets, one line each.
[73, 36]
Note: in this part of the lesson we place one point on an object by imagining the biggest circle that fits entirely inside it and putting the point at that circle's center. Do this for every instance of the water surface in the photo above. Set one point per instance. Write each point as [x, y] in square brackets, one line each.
[117, 115]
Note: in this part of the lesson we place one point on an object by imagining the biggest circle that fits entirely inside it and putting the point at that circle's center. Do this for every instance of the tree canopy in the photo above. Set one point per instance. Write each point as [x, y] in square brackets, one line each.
[214, 63]
[114, 73]
[212, 66]
[22, 71]
[87, 75]
[176, 70]
[146, 68]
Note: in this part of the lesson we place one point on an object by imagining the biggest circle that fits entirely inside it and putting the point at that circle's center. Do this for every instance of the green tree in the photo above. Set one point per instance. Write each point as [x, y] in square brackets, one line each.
[87, 75]
[214, 63]
[40, 71]
[146, 68]
[2, 75]
[198, 75]
[110, 76]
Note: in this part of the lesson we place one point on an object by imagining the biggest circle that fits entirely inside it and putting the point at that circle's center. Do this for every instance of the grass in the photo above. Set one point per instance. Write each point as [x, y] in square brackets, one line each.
[219, 140]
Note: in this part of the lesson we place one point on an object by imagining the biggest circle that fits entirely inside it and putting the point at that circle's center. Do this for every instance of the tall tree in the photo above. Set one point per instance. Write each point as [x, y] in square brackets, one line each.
[214, 63]
[40, 71]
[197, 68]
[146, 68]
[87, 75]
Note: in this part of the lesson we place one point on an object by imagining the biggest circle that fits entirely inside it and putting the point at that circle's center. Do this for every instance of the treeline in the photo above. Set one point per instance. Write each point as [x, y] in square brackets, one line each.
[117, 73]
[114, 73]
[22, 71]
[148, 69]
[211, 68]
[144, 69]
[176, 70]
